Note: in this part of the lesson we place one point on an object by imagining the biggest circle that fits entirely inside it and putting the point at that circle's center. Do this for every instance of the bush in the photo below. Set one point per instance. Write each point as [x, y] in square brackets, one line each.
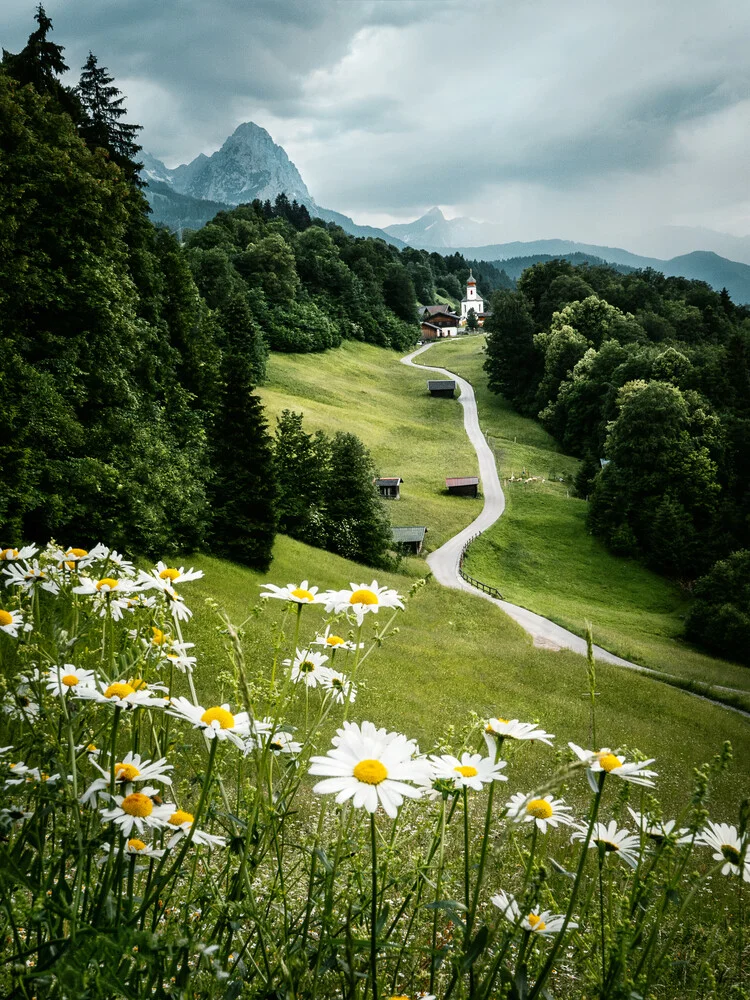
[720, 615]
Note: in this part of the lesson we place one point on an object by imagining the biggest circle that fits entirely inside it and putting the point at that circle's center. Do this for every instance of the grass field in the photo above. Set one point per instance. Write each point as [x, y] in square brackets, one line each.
[366, 390]
[455, 653]
[541, 556]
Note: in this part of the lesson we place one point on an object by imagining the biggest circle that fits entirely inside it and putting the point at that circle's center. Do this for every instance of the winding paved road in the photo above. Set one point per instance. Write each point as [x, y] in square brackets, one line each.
[444, 562]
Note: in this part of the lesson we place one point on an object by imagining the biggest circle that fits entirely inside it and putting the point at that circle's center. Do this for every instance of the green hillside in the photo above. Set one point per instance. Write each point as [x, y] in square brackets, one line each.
[366, 390]
[455, 654]
[541, 556]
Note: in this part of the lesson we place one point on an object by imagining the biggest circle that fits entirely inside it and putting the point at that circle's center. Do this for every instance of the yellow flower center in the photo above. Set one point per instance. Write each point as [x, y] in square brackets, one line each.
[401, 996]
[180, 817]
[92, 748]
[107, 582]
[8, 553]
[169, 573]
[608, 845]
[69, 680]
[137, 683]
[119, 691]
[609, 762]
[536, 922]
[364, 597]
[466, 770]
[159, 638]
[126, 772]
[6, 618]
[220, 715]
[371, 772]
[136, 845]
[302, 595]
[78, 553]
[731, 853]
[539, 808]
[137, 804]
[334, 640]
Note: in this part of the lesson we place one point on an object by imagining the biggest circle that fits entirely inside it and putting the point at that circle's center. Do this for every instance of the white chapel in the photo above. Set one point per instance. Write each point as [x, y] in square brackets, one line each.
[472, 299]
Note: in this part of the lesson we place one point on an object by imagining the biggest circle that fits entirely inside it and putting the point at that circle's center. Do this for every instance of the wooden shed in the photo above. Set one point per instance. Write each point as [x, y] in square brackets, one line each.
[390, 487]
[442, 387]
[463, 486]
[409, 539]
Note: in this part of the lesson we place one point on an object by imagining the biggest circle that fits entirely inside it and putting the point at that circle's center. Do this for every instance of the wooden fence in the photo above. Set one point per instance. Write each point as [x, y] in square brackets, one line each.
[484, 587]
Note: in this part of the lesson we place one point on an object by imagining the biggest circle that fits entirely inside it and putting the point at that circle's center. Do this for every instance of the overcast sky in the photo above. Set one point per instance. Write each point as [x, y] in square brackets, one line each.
[591, 120]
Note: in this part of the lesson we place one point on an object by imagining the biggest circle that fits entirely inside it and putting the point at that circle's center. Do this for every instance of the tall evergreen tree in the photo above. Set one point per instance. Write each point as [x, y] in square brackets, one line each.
[302, 464]
[41, 63]
[243, 490]
[101, 127]
[359, 528]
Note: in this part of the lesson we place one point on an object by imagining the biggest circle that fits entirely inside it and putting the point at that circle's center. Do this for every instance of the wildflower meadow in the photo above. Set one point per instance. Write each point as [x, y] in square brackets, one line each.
[275, 845]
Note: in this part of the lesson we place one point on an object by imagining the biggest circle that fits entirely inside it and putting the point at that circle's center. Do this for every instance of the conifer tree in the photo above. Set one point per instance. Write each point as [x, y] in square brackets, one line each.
[301, 461]
[41, 63]
[101, 127]
[359, 528]
[243, 489]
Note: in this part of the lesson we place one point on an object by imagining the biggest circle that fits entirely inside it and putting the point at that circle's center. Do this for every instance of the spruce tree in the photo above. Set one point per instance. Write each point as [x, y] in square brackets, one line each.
[102, 108]
[243, 489]
[302, 463]
[41, 63]
[358, 524]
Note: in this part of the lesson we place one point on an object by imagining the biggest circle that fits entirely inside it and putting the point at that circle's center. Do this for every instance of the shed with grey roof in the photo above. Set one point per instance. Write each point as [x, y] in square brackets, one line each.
[442, 387]
[409, 539]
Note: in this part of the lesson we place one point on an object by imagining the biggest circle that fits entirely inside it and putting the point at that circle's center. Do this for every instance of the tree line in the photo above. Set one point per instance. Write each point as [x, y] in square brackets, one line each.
[129, 361]
[647, 380]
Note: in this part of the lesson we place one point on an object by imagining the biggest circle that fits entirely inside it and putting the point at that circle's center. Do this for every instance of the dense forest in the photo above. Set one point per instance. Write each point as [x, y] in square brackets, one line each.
[129, 359]
[647, 379]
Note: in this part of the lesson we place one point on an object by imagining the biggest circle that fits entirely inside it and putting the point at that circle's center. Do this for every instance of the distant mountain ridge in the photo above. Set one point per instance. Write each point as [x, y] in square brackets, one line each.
[251, 165]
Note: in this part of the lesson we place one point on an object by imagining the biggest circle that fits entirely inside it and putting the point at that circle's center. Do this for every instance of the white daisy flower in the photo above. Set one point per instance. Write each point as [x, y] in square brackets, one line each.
[216, 722]
[283, 742]
[165, 577]
[109, 593]
[660, 830]
[176, 655]
[137, 810]
[176, 604]
[130, 769]
[335, 642]
[121, 694]
[10, 622]
[75, 558]
[612, 763]
[545, 923]
[21, 773]
[362, 599]
[339, 685]
[29, 575]
[544, 812]
[512, 729]
[180, 821]
[301, 593]
[10, 555]
[621, 842]
[370, 767]
[138, 847]
[62, 680]
[124, 565]
[472, 771]
[307, 666]
[728, 847]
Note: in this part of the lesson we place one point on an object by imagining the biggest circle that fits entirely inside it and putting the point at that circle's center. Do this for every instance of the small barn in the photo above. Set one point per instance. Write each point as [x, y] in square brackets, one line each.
[463, 486]
[442, 387]
[390, 487]
[409, 539]
[430, 331]
[439, 321]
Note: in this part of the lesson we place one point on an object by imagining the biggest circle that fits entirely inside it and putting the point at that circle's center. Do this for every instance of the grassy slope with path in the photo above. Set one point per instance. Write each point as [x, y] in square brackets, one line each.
[541, 556]
[455, 653]
[367, 390]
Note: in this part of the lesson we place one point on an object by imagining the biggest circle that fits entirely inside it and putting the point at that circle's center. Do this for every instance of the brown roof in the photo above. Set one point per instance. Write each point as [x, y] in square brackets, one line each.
[432, 326]
[439, 311]
[462, 481]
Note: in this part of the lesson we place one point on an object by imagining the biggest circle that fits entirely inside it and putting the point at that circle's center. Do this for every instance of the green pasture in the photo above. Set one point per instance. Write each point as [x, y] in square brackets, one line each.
[541, 555]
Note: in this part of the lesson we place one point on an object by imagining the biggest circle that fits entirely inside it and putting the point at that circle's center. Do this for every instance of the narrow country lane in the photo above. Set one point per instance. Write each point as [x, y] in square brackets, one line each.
[444, 562]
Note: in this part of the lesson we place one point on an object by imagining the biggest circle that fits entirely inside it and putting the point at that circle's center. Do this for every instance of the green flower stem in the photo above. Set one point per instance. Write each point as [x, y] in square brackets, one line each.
[355, 667]
[374, 910]
[601, 916]
[550, 963]
[438, 888]
[483, 857]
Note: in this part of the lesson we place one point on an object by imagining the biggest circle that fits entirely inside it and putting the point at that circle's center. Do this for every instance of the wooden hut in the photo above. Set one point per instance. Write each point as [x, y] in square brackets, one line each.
[442, 387]
[463, 486]
[390, 487]
[409, 539]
